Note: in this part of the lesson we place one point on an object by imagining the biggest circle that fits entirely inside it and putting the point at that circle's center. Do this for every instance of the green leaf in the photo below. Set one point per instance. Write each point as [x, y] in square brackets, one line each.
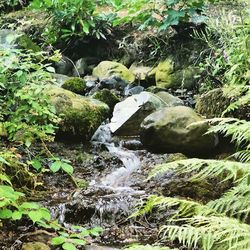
[29, 205]
[45, 213]
[68, 246]
[5, 178]
[5, 213]
[55, 167]
[17, 215]
[36, 164]
[58, 241]
[4, 161]
[78, 242]
[35, 216]
[67, 168]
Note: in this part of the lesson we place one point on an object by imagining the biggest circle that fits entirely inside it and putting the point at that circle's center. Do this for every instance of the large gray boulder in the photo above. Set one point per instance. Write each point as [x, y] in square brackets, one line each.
[129, 113]
[81, 116]
[177, 129]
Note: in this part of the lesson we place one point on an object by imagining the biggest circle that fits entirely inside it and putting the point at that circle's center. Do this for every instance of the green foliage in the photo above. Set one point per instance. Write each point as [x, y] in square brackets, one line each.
[26, 111]
[161, 14]
[71, 19]
[12, 208]
[77, 237]
[61, 164]
[239, 132]
[227, 61]
[204, 169]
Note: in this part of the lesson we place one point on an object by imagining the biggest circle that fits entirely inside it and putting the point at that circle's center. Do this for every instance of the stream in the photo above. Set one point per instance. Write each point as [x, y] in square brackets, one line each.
[111, 197]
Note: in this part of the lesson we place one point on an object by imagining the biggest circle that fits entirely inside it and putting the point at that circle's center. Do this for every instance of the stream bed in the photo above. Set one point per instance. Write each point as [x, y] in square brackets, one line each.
[115, 185]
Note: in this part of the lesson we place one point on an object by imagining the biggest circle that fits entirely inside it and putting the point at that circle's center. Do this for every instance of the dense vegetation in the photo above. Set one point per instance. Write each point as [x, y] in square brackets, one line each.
[29, 118]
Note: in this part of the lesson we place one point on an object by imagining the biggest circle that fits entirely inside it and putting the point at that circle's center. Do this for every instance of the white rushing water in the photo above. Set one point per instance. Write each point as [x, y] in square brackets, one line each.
[118, 179]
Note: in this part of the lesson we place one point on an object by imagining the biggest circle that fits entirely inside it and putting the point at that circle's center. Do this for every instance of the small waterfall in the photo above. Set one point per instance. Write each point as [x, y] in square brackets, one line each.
[119, 179]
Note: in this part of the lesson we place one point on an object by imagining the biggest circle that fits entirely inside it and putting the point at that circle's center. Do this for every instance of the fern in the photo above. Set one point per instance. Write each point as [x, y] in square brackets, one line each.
[184, 208]
[239, 130]
[234, 203]
[204, 169]
[220, 233]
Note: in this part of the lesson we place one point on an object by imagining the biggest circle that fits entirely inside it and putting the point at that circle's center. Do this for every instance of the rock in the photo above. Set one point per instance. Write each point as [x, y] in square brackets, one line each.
[129, 113]
[64, 66]
[80, 68]
[167, 77]
[108, 69]
[177, 130]
[59, 79]
[76, 85]
[171, 100]
[81, 116]
[14, 39]
[133, 90]
[91, 81]
[114, 82]
[35, 246]
[140, 72]
[213, 103]
[107, 97]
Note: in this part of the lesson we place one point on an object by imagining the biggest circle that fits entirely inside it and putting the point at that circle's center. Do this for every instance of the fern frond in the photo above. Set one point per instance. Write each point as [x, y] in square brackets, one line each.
[184, 208]
[239, 130]
[234, 203]
[221, 233]
[243, 155]
[204, 169]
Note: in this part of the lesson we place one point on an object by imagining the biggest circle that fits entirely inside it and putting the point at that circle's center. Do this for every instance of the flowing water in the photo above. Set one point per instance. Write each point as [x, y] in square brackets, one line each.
[119, 179]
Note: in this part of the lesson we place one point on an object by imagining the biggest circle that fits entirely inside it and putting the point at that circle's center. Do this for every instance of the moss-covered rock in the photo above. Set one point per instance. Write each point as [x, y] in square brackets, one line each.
[81, 116]
[35, 246]
[108, 69]
[213, 103]
[167, 77]
[76, 85]
[107, 97]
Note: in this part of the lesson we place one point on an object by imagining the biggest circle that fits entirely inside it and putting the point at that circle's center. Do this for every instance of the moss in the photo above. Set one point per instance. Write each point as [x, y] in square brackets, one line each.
[18, 172]
[25, 42]
[107, 69]
[83, 122]
[107, 97]
[81, 116]
[167, 76]
[76, 85]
